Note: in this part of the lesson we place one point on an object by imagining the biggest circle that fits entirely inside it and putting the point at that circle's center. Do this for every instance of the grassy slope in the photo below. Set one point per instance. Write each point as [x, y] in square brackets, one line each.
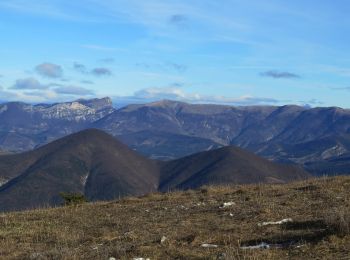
[133, 227]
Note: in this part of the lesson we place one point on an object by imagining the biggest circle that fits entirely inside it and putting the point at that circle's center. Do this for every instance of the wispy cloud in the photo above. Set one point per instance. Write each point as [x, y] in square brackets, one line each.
[74, 90]
[100, 72]
[101, 48]
[49, 70]
[341, 88]
[280, 75]
[168, 66]
[107, 60]
[176, 66]
[80, 67]
[311, 103]
[89, 82]
[179, 20]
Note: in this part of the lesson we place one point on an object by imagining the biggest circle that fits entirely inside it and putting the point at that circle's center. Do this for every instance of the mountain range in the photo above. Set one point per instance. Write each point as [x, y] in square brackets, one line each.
[94, 163]
[316, 138]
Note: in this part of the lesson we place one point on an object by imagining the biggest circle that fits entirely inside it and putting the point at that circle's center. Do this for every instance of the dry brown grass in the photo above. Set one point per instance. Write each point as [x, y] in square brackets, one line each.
[133, 227]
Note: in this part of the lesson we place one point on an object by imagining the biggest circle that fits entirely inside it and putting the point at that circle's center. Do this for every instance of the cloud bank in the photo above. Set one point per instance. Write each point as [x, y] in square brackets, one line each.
[178, 94]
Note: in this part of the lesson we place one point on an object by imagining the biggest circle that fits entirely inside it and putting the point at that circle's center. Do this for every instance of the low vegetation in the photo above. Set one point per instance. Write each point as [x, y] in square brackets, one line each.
[73, 198]
[304, 220]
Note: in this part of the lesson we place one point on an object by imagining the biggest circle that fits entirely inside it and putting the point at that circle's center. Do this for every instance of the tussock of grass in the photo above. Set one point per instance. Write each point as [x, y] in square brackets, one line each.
[338, 220]
[134, 227]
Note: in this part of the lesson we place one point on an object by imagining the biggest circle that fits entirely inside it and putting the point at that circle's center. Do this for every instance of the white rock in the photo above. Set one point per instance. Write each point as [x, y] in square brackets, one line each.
[209, 245]
[283, 221]
[227, 204]
[259, 246]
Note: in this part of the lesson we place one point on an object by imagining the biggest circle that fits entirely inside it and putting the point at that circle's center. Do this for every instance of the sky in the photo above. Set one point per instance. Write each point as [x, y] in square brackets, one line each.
[252, 52]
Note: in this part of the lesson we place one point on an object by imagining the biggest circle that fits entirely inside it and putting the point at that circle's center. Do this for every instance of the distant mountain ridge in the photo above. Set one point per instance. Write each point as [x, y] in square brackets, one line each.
[170, 129]
[25, 126]
[97, 165]
[290, 133]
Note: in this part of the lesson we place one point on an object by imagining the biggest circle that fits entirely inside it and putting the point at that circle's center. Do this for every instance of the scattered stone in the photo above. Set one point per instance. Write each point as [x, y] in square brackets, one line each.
[36, 256]
[221, 256]
[163, 239]
[112, 258]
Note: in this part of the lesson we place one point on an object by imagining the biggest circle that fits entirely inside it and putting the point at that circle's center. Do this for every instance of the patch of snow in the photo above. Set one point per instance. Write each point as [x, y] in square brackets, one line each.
[264, 245]
[283, 221]
[3, 109]
[141, 258]
[227, 204]
[209, 148]
[209, 245]
[3, 182]
[84, 179]
[333, 151]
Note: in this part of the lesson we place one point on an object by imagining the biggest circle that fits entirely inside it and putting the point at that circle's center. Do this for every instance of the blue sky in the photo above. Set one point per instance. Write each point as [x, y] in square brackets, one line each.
[226, 51]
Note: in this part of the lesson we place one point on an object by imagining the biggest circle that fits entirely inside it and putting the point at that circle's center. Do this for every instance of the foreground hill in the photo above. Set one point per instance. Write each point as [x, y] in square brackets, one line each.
[90, 162]
[98, 166]
[192, 225]
[224, 166]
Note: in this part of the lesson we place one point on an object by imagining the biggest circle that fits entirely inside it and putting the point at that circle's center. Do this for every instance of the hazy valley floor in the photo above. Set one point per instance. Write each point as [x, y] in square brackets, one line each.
[178, 225]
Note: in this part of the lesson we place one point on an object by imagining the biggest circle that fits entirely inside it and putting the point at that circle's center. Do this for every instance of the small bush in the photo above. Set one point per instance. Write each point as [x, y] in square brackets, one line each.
[72, 198]
[339, 221]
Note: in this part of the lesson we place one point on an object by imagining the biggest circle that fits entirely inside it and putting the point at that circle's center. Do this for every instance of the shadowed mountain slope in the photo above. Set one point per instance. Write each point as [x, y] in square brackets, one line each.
[95, 164]
[90, 162]
[222, 166]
